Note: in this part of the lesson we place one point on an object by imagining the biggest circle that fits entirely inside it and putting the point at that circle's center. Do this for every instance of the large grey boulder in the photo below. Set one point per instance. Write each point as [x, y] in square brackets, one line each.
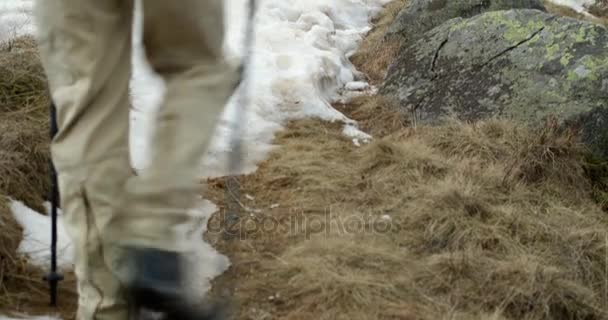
[420, 16]
[520, 64]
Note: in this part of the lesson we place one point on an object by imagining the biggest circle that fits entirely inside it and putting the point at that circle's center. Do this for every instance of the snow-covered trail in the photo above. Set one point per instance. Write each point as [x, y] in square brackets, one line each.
[300, 65]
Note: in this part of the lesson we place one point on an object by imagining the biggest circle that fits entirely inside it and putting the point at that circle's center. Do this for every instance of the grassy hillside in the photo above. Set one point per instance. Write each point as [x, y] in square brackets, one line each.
[491, 220]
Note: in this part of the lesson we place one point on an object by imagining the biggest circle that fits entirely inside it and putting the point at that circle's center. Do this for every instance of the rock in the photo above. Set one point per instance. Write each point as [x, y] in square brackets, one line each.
[520, 64]
[421, 16]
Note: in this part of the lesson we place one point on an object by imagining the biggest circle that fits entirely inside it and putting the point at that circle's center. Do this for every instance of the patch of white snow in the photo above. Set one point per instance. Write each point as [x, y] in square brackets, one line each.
[37, 237]
[577, 5]
[350, 130]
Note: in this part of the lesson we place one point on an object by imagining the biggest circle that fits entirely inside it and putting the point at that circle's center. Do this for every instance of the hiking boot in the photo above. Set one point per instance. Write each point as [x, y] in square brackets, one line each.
[158, 285]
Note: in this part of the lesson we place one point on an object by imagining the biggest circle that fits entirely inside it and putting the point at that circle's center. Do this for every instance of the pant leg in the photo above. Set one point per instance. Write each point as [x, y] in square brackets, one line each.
[85, 46]
[183, 42]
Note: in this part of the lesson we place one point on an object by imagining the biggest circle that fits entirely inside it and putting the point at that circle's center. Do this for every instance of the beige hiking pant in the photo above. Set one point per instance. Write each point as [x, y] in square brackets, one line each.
[85, 46]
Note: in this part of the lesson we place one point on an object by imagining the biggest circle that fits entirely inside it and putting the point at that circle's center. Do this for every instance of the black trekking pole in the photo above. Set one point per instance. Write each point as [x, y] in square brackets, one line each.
[233, 189]
[54, 276]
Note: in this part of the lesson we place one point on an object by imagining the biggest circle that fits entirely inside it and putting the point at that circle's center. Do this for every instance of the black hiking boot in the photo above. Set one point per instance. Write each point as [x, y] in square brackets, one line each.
[157, 286]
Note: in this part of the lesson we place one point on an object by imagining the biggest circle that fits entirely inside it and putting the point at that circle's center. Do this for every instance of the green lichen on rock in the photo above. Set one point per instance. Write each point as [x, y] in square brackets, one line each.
[552, 51]
[597, 66]
[516, 30]
[520, 64]
[565, 59]
[420, 16]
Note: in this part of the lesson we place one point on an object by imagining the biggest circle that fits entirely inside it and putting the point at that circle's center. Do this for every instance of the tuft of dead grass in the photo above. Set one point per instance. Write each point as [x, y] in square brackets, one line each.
[596, 170]
[375, 52]
[371, 110]
[553, 155]
[24, 143]
[22, 80]
[24, 171]
[24, 160]
[491, 220]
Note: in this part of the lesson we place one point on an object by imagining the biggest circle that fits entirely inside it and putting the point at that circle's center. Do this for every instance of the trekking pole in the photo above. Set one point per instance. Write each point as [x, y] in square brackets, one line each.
[233, 190]
[54, 277]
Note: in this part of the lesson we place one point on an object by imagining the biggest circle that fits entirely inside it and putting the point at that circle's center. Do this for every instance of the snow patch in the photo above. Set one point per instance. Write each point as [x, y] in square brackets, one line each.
[576, 5]
[15, 19]
[37, 237]
[36, 243]
[357, 86]
[206, 262]
[295, 73]
[350, 130]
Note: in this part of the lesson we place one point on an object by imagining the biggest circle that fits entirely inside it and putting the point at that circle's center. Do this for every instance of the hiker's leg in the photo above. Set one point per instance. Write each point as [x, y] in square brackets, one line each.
[85, 46]
[183, 42]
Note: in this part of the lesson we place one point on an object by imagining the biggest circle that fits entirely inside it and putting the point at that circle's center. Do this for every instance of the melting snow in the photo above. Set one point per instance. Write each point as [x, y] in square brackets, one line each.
[358, 136]
[299, 67]
[37, 237]
[577, 5]
[15, 18]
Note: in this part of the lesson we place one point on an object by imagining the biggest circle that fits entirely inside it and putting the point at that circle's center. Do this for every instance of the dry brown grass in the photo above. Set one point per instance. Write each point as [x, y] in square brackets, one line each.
[491, 220]
[24, 142]
[375, 53]
[24, 163]
[368, 111]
